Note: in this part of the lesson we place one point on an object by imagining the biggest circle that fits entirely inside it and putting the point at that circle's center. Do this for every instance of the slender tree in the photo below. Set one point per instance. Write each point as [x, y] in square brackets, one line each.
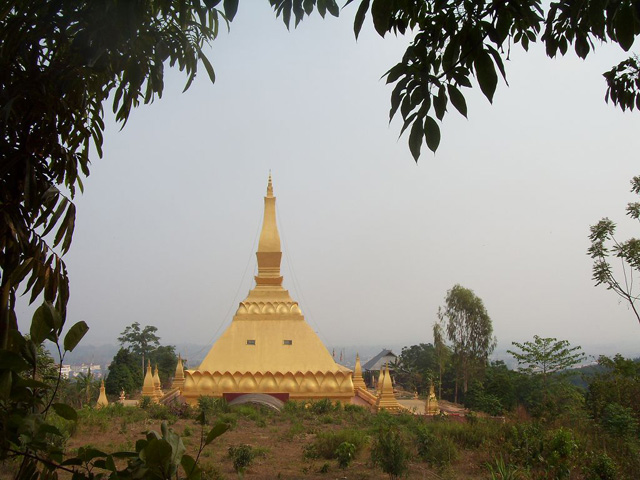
[470, 332]
[605, 246]
[442, 352]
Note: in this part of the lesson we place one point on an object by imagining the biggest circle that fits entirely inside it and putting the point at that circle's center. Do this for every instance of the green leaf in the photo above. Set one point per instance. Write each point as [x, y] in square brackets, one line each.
[230, 9]
[457, 99]
[381, 13]
[50, 429]
[625, 26]
[215, 432]
[582, 46]
[191, 469]
[31, 383]
[74, 335]
[124, 454]
[5, 383]
[157, 455]
[208, 67]
[415, 139]
[333, 8]
[110, 464]
[440, 103]
[140, 444]
[432, 133]
[12, 361]
[360, 16]
[65, 411]
[486, 74]
[41, 324]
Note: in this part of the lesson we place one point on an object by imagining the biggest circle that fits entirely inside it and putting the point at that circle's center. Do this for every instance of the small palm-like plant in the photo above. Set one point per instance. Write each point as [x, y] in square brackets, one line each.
[503, 471]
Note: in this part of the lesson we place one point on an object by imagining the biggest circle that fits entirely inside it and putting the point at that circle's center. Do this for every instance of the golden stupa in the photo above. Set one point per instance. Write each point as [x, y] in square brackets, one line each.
[269, 348]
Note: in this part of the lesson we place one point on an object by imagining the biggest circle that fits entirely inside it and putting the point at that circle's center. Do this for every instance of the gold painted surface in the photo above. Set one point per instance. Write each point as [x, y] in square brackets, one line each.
[157, 386]
[269, 347]
[431, 406]
[148, 386]
[102, 398]
[358, 381]
[386, 399]
[178, 377]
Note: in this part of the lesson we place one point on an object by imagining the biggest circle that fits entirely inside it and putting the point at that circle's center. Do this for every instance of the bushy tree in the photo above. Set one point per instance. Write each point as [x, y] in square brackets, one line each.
[470, 331]
[166, 359]
[138, 341]
[546, 357]
[125, 373]
[138, 346]
[618, 381]
[416, 367]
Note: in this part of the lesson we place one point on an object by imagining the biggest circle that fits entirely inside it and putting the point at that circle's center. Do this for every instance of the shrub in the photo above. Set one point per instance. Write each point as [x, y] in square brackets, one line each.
[500, 470]
[145, 402]
[242, 456]
[345, 453]
[180, 409]
[210, 406]
[158, 411]
[601, 467]
[390, 451]
[439, 451]
[618, 420]
[525, 441]
[327, 443]
[324, 406]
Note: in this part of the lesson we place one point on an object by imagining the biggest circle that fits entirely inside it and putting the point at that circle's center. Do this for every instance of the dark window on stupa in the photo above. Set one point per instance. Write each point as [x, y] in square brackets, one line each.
[251, 342]
[287, 342]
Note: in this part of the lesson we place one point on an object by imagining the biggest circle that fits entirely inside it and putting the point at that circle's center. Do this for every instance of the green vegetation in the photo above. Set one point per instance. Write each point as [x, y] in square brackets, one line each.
[605, 246]
[468, 327]
[137, 346]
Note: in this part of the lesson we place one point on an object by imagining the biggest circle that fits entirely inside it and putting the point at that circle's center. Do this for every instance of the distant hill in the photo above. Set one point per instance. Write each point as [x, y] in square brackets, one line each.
[195, 353]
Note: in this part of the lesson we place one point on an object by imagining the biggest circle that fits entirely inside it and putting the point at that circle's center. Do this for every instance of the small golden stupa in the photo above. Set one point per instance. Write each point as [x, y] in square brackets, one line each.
[358, 381]
[269, 348]
[157, 386]
[148, 387]
[178, 378]
[386, 398]
[102, 398]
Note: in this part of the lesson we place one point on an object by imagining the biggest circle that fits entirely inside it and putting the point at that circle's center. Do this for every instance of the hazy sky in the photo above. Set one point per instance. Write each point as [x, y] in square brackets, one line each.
[167, 229]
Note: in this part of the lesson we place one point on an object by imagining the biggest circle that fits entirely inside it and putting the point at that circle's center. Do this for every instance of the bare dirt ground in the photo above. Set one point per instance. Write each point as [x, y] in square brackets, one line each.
[282, 444]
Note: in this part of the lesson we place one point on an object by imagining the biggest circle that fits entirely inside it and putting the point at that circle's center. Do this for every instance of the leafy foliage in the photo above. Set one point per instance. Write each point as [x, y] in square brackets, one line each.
[469, 329]
[139, 345]
[59, 63]
[140, 341]
[545, 356]
[605, 245]
[456, 42]
[416, 367]
[618, 382]
[345, 453]
[390, 451]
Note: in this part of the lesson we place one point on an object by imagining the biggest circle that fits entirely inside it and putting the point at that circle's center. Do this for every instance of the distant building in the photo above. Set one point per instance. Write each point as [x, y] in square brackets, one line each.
[75, 370]
[65, 371]
[380, 360]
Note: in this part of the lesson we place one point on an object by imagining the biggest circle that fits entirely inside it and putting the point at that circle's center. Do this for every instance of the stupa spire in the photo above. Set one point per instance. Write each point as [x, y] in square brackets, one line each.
[358, 381]
[269, 252]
